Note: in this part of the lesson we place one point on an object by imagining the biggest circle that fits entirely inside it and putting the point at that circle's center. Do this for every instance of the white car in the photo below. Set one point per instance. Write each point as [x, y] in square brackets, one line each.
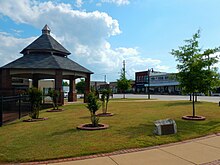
[215, 94]
[65, 94]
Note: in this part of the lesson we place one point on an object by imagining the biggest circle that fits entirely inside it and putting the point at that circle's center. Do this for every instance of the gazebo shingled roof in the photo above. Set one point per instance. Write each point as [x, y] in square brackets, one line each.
[44, 61]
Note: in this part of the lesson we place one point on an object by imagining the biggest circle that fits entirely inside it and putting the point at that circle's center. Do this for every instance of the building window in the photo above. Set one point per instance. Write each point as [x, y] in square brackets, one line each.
[145, 78]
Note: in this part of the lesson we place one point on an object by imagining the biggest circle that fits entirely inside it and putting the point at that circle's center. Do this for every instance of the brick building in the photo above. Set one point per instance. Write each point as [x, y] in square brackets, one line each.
[157, 82]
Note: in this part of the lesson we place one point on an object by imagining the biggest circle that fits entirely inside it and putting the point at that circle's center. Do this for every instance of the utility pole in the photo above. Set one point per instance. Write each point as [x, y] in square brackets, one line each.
[105, 79]
[209, 92]
[123, 69]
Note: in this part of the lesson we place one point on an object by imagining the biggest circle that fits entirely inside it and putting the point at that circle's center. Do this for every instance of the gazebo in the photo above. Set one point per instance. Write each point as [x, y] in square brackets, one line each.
[45, 58]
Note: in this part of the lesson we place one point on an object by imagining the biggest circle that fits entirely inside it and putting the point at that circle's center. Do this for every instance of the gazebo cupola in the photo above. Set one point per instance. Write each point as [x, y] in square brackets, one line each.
[45, 44]
[46, 30]
[45, 58]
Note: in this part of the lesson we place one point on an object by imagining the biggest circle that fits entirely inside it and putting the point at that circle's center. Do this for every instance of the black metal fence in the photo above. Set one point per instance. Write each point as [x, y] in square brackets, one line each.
[13, 107]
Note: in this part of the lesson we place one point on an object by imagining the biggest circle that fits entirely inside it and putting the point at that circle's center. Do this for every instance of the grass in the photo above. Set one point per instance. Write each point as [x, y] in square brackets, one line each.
[131, 127]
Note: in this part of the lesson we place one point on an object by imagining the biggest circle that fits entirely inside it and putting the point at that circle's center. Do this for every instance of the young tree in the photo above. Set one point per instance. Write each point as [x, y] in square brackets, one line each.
[105, 95]
[54, 94]
[93, 106]
[103, 100]
[196, 71]
[123, 84]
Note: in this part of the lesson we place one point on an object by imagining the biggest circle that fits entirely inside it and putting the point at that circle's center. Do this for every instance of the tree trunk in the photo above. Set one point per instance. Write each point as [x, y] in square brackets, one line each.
[193, 98]
[123, 95]
[106, 106]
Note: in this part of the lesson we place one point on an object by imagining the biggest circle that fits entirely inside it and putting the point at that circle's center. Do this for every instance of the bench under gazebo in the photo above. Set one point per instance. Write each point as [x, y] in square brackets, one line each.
[44, 58]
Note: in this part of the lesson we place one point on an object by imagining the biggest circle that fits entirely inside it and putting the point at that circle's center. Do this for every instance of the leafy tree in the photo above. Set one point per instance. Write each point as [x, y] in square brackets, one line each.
[81, 86]
[54, 94]
[93, 106]
[65, 83]
[35, 96]
[196, 71]
[123, 84]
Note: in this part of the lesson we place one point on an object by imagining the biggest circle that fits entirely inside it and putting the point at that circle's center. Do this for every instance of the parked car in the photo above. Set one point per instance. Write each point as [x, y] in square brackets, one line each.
[65, 94]
[215, 94]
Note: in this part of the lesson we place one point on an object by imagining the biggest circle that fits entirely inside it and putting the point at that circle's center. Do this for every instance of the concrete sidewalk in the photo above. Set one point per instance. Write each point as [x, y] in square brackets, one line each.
[204, 151]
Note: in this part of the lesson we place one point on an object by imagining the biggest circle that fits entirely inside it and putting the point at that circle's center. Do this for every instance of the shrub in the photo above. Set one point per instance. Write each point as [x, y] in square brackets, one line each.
[54, 94]
[105, 99]
[35, 99]
[93, 105]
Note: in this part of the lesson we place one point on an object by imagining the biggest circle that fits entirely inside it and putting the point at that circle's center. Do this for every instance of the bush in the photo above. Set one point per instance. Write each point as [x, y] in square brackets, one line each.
[35, 100]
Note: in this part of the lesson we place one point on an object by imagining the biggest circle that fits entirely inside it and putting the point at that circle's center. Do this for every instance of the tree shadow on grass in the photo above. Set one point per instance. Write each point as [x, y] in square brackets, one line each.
[67, 131]
[212, 125]
[85, 117]
[198, 127]
[144, 135]
[181, 103]
[136, 131]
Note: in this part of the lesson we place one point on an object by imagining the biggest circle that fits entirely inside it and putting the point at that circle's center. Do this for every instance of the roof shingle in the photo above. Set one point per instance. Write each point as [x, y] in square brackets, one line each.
[46, 43]
[46, 61]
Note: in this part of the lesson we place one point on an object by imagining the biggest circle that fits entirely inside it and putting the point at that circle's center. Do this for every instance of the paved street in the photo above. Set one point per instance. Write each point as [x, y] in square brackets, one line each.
[214, 99]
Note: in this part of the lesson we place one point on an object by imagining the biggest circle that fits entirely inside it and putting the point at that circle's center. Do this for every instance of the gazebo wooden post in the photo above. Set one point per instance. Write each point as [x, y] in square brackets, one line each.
[72, 96]
[87, 90]
[58, 85]
[5, 83]
[35, 80]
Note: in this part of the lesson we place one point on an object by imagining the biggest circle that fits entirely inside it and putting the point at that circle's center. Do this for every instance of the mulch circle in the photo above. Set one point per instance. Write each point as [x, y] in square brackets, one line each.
[91, 128]
[34, 120]
[195, 118]
[55, 110]
[105, 114]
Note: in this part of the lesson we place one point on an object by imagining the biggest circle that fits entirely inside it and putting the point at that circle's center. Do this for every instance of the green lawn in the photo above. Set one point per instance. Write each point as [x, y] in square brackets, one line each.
[131, 127]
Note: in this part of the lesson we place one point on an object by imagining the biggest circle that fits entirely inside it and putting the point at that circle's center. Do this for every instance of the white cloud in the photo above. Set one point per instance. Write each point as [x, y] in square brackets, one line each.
[84, 34]
[117, 2]
[127, 51]
[79, 3]
[11, 46]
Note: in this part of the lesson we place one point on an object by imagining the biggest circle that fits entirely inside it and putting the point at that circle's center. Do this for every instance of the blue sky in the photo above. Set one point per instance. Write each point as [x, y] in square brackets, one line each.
[100, 34]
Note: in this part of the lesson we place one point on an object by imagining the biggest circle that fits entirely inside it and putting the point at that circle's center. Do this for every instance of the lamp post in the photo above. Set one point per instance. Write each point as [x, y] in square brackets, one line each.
[148, 81]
